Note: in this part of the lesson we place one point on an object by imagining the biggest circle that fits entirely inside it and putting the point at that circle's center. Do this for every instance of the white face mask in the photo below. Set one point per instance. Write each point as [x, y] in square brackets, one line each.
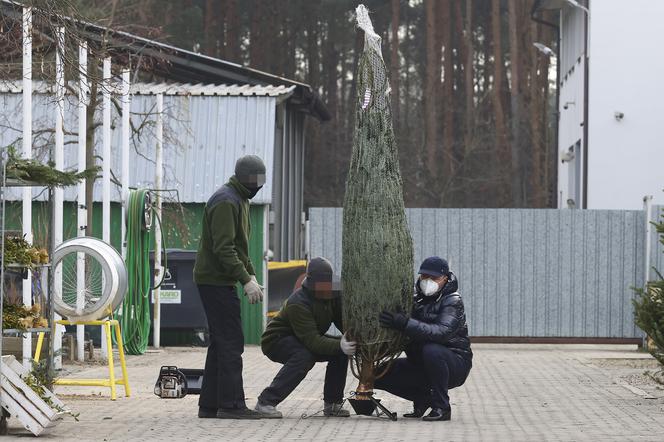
[429, 287]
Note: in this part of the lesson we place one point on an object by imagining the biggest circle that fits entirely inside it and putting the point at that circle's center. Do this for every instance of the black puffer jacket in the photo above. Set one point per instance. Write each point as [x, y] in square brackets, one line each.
[440, 318]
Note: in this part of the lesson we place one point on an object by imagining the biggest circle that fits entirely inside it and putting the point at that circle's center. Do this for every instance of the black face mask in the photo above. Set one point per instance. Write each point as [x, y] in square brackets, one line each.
[253, 190]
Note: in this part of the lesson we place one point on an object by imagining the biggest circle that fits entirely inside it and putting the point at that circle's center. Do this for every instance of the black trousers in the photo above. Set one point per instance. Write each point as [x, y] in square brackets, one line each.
[426, 375]
[298, 361]
[222, 381]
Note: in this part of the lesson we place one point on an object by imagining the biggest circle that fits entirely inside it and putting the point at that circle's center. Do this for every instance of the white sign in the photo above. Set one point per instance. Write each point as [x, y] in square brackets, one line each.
[169, 296]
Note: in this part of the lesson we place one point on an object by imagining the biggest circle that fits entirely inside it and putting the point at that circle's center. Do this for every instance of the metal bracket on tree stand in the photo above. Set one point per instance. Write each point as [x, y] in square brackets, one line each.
[369, 404]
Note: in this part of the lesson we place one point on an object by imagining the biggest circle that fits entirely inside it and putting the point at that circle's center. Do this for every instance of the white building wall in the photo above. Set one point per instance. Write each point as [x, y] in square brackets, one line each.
[570, 127]
[626, 158]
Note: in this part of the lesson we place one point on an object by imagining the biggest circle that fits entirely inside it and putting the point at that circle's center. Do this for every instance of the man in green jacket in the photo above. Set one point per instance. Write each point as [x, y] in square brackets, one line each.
[296, 338]
[221, 262]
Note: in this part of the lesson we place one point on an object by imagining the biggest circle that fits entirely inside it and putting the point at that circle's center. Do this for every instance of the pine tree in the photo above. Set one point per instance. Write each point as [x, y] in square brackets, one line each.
[377, 247]
[649, 311]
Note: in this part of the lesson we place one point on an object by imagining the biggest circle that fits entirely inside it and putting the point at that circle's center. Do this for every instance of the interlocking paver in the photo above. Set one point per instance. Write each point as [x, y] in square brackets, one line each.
[514, 392]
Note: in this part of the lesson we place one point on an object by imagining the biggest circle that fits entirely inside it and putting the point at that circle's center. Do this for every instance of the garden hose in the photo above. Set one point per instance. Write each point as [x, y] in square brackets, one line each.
[135, 320]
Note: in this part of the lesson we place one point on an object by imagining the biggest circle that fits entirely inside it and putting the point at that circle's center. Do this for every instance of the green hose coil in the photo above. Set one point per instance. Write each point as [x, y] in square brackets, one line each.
[135, 320]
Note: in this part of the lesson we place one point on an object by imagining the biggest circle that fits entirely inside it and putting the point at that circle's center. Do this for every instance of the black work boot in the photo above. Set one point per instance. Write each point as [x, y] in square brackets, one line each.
[207, 413]
[438, 414]
[237, 413]
[418, 411]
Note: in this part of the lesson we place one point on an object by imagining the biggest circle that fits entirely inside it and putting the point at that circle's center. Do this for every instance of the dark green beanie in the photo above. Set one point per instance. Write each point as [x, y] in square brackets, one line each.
[249, 169]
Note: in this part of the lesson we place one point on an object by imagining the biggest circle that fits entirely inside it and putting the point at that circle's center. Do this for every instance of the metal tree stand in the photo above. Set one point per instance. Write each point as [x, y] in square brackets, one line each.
[369, 404]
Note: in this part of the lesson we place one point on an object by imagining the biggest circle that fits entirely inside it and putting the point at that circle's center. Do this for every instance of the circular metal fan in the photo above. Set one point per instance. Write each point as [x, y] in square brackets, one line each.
[90, 279]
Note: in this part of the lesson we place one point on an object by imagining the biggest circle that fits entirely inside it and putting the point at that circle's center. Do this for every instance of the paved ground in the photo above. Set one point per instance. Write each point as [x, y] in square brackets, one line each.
[515, 392]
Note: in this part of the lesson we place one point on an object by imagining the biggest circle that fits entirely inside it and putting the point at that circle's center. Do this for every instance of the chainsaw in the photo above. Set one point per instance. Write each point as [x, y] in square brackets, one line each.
[176, 383]
[171, 383]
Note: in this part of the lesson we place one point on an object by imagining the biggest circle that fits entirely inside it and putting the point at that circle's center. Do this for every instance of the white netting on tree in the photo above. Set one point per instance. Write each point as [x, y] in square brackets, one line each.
[377, 247]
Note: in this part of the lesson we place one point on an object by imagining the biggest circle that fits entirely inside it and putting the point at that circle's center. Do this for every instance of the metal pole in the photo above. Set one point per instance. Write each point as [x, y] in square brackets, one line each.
[27, 153]
[266, 272]
[126, 105]
[82, 210]
[156, 336]
[58, 194]
[106, 171]
[647, 207]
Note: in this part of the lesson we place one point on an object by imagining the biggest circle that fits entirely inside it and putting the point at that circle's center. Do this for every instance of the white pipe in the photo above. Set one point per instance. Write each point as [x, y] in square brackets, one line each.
[126, 105]
[266, 244]
[27, 153]
[58, 195]
[647, 207]
[82, 211]
[157, 231]
[106, 170]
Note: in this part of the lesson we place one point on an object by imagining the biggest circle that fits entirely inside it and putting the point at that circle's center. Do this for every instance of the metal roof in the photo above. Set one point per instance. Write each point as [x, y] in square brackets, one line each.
[232, 90]
[229, 90]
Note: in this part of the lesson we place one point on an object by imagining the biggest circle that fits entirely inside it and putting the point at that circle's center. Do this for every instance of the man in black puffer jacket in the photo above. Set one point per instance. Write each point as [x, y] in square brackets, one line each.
[438, 356]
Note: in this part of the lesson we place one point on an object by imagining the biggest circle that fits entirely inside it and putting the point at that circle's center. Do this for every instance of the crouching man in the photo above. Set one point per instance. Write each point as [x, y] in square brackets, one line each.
[438, 357]
[296, 338]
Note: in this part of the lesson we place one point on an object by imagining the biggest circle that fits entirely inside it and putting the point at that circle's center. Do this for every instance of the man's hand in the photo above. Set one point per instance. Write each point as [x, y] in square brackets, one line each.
[395, 320]
[348, 347]
[253, 278]
[253, 291]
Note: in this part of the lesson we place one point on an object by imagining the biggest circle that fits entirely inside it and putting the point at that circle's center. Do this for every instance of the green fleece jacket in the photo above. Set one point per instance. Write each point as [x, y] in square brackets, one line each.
[223, 250]
[307, 318]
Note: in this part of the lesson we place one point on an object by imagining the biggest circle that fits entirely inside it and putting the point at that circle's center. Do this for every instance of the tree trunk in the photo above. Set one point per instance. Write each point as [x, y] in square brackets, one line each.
[330, 65]
[469, 79]
[515, 104]
[256, 58]
[460, 83]
[90, 160]
[430, 81]
[447, 101]
[210, 36]
[535, 112]
[498, 72]
[221, 29]
[406, 87]
[396, 6]
[232, 42]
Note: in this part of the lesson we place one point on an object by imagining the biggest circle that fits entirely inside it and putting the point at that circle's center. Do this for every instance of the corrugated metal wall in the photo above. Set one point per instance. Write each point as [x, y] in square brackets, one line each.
[533, 273]
[288, 185]
[204, 136]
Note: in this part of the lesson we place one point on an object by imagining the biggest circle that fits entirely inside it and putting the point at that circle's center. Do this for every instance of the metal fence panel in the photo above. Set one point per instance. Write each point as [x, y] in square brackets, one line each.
[528, 272]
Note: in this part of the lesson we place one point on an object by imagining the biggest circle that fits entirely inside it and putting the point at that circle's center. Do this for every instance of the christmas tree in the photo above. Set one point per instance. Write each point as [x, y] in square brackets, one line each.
[377, 270]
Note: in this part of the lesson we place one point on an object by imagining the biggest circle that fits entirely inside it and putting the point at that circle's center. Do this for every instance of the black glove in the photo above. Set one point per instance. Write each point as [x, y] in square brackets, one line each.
[395, 320]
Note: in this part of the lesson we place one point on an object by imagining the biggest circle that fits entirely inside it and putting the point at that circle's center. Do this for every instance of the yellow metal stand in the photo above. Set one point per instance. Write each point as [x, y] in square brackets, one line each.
[111, 381]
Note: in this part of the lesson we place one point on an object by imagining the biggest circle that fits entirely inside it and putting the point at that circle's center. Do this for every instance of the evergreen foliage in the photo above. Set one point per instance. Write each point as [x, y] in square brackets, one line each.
[377, 247]
[33, 171]
[649, 311]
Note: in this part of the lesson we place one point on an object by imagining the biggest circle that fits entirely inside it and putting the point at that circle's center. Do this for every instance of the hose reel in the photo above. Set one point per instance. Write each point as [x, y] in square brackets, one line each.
[94, 279]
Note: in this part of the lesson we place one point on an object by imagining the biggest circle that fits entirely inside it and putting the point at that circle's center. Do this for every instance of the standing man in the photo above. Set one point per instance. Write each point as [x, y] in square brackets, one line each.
[223, 261]
[438, 357]
[296, 338]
